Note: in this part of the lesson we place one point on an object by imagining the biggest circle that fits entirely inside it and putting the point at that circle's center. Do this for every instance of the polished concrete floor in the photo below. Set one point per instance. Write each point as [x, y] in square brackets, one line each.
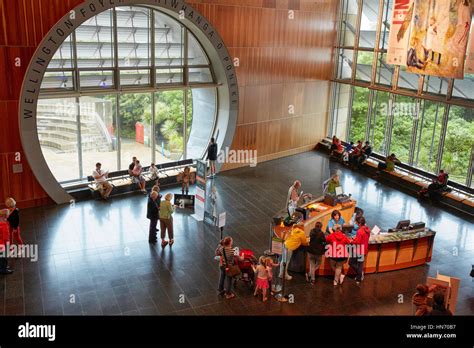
[94, 258]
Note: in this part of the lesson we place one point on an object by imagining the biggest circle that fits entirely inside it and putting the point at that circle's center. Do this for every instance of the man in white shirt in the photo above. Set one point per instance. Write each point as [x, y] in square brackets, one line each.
[100, 176]
[293, 197]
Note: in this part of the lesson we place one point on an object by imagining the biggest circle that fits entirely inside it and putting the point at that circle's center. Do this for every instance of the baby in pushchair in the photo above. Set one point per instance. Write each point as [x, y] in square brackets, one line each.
[247, 275]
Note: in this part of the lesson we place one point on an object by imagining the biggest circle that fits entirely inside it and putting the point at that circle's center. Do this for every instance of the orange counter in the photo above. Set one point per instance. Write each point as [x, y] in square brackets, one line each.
[321, 212]
[387, 251]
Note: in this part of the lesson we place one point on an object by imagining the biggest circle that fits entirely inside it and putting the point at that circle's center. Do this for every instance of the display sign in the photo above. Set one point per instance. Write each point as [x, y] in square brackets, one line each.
[469, 65]
[210, 212]
[221, 220]
[200, 201]
[199, 204]
[277, 245]
[184, 201]
[438, 37]
[201, 168]
[399, 32]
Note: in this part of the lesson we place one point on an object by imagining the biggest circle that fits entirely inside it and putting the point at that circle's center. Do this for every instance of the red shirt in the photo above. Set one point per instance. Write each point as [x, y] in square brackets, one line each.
[442, 178]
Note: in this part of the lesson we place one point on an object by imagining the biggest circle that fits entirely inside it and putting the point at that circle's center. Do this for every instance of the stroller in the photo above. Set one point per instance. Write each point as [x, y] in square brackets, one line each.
[247, 275]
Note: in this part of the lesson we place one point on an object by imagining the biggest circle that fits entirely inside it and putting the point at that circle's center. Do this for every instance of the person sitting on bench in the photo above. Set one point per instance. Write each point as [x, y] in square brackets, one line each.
[364, 154]
[389, 164]
[138, 177]
[356, 151]
[439, 185]
[153, 171]
[100, 176]
[337, 148]
[347, 151]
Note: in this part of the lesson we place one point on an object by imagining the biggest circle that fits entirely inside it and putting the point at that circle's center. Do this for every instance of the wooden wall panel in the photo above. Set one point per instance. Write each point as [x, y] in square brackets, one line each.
[284, 65]
[23, 25]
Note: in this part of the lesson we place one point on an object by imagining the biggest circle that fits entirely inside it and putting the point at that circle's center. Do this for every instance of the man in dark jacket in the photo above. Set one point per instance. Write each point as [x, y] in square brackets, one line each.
[212, 156]
[366, 153]
[315, 250]
[153, 214]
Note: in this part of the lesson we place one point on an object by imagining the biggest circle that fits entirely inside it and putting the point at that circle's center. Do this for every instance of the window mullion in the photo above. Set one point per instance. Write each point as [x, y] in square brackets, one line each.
[356, 40]
[377, 43]
[79, 137]
[388, 129]
[414, 132]
[349, 116]
[442, 138]
[471, 169]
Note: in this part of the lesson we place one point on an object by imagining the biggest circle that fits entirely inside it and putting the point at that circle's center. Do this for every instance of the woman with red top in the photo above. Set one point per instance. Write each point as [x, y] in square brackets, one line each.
[336, 252]
[336, 146]
[14, 221]
[356, 151]
[361, 243]
[4, 242]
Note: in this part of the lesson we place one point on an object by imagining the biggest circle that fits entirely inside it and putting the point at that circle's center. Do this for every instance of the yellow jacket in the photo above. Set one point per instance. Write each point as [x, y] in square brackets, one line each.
[295, 239]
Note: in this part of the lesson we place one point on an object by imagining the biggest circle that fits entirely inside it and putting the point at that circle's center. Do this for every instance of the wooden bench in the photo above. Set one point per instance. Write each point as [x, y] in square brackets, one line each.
[412, 180]
[168, 174]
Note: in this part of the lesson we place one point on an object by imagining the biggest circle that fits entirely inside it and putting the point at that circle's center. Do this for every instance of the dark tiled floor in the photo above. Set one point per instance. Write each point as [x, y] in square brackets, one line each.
[94, 258]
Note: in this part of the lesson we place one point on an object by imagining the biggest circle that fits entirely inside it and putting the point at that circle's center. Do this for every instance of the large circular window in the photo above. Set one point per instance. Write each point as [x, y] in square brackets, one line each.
[141, 80]
[122, 85]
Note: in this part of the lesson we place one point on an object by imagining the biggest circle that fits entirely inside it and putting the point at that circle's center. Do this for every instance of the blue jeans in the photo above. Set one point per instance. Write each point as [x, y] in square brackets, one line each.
[358, 267]
[225, 282]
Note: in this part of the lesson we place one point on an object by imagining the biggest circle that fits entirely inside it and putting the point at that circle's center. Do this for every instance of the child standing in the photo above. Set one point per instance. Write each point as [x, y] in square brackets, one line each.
[269, 264]
[186, 178]
[262, 278]
[14, 221]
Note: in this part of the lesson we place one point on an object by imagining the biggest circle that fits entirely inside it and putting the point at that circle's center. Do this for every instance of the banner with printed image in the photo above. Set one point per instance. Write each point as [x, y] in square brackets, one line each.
[469, 65]
[399, 32]
[438, 37]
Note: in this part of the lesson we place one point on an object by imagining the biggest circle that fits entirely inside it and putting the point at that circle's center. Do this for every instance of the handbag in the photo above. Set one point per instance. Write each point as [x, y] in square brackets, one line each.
[231, 270]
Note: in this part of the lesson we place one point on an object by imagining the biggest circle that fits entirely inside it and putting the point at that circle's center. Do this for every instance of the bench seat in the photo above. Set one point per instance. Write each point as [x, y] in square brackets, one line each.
[413, 182]
[168, 174]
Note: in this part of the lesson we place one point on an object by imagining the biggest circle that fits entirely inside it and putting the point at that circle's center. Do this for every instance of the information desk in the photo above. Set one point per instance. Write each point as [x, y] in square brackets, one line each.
[319, 212]
[387, 251]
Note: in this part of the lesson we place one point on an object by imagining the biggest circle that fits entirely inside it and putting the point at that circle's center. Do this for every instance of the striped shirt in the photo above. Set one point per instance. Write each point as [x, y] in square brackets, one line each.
[229, 254]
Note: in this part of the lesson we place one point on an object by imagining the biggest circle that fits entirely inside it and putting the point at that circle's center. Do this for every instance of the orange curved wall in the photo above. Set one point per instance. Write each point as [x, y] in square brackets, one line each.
[283, 62]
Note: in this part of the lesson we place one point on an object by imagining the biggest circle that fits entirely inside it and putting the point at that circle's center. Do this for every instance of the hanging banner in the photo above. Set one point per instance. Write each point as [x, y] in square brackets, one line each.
[438, 37]
[399, 32]
[469, 66]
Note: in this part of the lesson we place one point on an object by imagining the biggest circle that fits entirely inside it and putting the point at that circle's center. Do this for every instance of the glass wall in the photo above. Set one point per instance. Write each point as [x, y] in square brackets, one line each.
[98, 132]
[169, 121]
[404, 113]
[458, 144]
[379, 120]
[360, 108]
[135, 128]
[426, 121]
[112, 92]
[58, 131]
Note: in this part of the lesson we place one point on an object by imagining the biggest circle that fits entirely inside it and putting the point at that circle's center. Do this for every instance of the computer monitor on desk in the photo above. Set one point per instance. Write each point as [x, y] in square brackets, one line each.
[347, 229]
[403, 225]
[339, 191]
